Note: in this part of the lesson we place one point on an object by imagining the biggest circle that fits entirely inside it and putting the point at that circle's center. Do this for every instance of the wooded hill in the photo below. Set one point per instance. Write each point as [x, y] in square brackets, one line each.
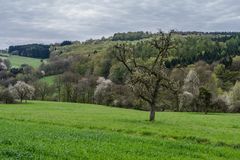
[210, 58]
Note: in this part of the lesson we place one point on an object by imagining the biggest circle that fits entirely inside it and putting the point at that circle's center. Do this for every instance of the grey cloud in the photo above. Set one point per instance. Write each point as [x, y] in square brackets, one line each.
[45, 21]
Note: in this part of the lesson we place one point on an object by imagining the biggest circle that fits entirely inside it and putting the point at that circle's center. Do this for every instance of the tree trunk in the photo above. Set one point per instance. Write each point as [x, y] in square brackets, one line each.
[206, 109]
[59, 95]
[152, 113]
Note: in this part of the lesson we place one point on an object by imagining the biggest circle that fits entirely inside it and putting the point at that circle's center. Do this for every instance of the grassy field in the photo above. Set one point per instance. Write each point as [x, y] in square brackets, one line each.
[49, 130]
[18, 61]
[49, 79]
[86, 48]
[100, 47]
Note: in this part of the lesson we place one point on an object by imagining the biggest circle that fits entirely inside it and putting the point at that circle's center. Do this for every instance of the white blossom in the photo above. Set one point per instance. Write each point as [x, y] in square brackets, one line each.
[102, 89]
[3, 66]
[22, 90]
[191, 83]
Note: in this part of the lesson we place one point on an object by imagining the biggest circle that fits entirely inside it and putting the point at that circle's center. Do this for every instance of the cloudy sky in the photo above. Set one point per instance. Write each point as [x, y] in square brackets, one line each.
[46, 21]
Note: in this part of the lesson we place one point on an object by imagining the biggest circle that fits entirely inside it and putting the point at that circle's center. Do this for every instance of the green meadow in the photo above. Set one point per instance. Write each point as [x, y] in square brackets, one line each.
[49, 79]
[51, 130]
[19, 60]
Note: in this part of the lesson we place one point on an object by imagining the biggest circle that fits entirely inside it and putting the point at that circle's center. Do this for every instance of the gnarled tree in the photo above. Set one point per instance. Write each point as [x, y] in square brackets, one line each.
[147, 74]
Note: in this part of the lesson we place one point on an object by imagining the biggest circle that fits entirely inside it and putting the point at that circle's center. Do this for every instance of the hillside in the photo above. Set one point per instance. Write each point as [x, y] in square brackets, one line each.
[210, 58]
[50, 130]
[91, 72]
[85, 48]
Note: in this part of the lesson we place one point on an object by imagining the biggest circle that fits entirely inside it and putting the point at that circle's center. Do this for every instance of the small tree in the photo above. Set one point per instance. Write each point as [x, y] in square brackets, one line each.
[58, 85]
[22, 90]
[85, 88]
[235, 92]
[69, 79]
[205, 99]
[102, 92]
[147, 75]
[6, 96]
[190, 90]
[3, 66]
[191, 83]
[42, 89]
[186, 99]
[221, 103]
[235, 98]
[178, 75]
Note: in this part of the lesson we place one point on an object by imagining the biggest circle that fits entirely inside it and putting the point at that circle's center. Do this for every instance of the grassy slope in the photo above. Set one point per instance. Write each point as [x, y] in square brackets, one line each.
[18, 61]
[101, 47]
[48, 130]
[49, 79]
[74, 49]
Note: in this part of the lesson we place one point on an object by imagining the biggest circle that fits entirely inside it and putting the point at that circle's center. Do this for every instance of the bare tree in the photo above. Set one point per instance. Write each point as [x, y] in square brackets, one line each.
[205, 99]
[177, 75]
[5, 95]
[147, 76]
[85, 87]
[58, 86]
[69, 80]
[42, 89]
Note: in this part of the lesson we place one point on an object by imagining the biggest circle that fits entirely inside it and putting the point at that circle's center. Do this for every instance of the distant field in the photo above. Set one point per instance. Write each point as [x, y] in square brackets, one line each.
[100, 47]
[87, 48]
[48, 130]
[19, 60]
[49, 79]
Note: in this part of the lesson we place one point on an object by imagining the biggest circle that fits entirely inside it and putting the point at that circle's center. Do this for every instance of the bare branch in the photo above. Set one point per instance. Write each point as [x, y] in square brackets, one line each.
[121, 55]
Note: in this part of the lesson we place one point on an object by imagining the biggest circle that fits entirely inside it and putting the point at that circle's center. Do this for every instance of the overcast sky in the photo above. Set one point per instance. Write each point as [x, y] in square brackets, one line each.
[49, 21]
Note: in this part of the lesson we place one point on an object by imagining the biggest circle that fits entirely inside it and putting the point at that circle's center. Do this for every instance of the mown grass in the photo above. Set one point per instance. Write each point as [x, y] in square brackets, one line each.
[49, 130]
[19, 60]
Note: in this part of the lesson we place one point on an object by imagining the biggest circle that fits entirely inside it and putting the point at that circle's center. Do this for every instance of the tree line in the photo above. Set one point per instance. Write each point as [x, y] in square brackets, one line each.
[30, 50]
[131, 36]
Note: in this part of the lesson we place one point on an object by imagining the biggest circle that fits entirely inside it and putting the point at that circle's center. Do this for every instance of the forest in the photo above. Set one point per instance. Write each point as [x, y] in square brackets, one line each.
[30, 50]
